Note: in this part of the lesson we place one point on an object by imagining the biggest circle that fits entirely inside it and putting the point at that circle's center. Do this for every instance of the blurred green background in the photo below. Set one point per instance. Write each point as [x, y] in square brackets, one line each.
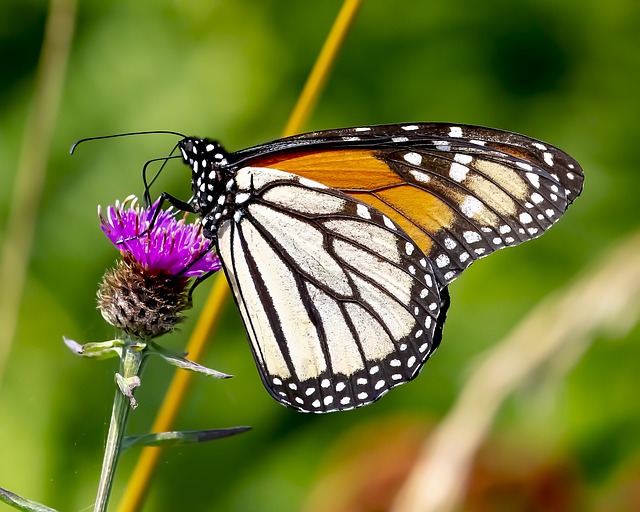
[564, 72]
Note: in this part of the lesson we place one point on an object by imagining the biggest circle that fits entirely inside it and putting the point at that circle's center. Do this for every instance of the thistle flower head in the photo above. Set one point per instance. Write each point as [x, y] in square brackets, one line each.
[147, 291]
[170, 247]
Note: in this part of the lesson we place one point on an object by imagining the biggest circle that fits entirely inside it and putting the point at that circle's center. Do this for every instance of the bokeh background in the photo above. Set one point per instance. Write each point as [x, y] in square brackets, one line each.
[564, 72]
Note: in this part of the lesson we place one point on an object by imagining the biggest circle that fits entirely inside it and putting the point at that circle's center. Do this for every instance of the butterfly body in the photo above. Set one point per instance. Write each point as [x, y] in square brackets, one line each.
[339, 245]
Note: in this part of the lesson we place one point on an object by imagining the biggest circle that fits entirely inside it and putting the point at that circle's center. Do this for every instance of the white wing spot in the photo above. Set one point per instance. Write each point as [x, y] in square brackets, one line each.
[362, 129]
[374, 369]
[409, 248]
[411, 361]
[399, 139]
[471, 236]
[362, 395]
[309, 391]
[458, 172]
[550, 212]
[423, 293]
[396, 376]
[209, 147]
[442, 260]
[403, 347]
[299, 400]
[410, 127]
[428, 280]
[325, 383]
[480, 251]
[455, 131]
[463, 159]
[524, 165]
[388, 223]
[380, 384]
[570, 175]
[340, 386]
[419, 333]
[345, 400]
[423, 262]
[413, 158]
[478, 142]
[534, 179]
[293, 386]
[423, 347]
[420, 176]
[509, 240]
[449, 243]
[427, 323]
[505, 229]
[350, 138]
[548, 159]
[277, 381]
[532, 231]
[539, 146]
[395, 362]
[497, 241]
[525, 218]
[363, 211]
[315, 403]
[412, 270]
[449, 275]
[362, 382]
[464, 257]
[328, 400]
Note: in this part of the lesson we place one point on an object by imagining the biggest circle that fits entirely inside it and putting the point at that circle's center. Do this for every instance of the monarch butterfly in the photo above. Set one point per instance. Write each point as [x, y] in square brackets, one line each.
[339, 245]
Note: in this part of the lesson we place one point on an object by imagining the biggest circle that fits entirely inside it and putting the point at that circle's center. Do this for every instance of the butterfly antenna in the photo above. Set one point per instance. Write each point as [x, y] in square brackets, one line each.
[148, 184]
[154, 132]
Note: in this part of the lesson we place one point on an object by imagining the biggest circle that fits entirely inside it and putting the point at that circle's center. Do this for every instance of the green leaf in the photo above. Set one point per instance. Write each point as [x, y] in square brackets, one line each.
[181, 362]
[181, 437]
[96, 350]
[22, 503]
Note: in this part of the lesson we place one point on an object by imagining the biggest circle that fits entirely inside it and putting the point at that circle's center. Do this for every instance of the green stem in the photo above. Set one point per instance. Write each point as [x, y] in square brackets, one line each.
[130, 368]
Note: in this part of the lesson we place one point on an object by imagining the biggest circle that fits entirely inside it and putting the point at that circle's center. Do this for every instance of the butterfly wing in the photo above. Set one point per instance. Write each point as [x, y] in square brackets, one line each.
[460, 192]
[339, 303]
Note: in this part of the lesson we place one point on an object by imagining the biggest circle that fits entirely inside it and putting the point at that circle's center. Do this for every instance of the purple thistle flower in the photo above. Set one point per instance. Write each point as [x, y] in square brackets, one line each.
[170, 247]
[147, 291]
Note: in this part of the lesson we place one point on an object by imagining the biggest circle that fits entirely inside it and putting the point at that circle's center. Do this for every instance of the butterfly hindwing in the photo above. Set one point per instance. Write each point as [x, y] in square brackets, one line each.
[338, 302]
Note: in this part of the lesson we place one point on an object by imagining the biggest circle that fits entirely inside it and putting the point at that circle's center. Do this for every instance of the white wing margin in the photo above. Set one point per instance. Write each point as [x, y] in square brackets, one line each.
[338, 303]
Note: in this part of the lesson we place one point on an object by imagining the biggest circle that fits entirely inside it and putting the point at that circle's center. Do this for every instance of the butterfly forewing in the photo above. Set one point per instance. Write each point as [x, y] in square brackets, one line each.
[340, 305]
[460, 192]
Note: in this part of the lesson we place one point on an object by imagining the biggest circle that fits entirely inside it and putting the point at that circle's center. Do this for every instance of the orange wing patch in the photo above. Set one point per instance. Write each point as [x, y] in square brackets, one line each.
[347, 170]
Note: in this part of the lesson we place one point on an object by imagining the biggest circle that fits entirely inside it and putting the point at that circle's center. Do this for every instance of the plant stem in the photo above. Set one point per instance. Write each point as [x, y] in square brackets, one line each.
[130, 368]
